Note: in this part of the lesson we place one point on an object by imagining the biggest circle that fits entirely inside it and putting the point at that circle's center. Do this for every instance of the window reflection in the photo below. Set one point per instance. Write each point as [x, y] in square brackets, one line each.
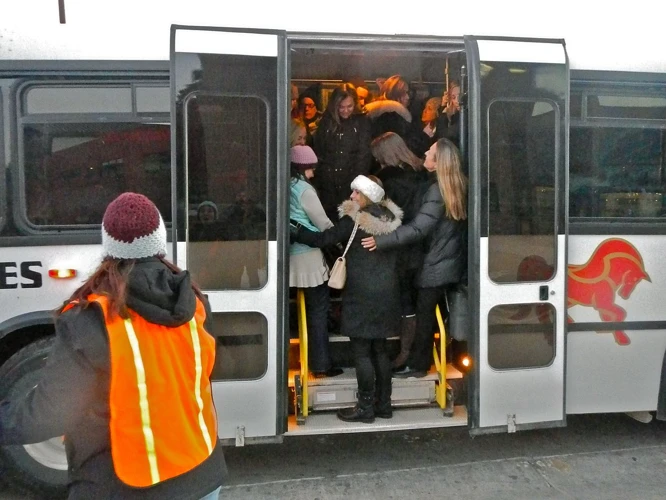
[521, 336]
[242, 348]
[226, 142]
[521, 184]
[617, 172]
[74, 170]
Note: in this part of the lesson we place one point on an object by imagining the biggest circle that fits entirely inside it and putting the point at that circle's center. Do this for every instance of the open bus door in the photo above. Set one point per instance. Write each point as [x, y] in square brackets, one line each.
[518, 162]
[228, 90]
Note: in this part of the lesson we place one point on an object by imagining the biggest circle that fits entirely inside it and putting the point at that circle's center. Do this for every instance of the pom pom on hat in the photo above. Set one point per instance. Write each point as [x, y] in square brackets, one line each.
[303, 155]
[372, 190]
[133, 228]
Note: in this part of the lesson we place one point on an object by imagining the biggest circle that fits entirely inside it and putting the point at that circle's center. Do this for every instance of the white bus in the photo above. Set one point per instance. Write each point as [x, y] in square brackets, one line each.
[563, 135]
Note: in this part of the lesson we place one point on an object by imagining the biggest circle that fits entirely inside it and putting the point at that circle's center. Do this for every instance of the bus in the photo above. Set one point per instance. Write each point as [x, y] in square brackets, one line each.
[563, 133]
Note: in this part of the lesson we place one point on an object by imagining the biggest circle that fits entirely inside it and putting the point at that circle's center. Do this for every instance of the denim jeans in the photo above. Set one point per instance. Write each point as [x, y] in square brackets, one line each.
[317, 302]
[213, 495]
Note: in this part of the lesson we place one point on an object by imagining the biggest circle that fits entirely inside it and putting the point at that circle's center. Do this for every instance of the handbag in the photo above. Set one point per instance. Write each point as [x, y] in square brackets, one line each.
[338, 275]
[459, 318]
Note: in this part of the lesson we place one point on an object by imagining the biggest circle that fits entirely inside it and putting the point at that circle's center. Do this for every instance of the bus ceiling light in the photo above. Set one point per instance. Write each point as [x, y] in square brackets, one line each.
[62, 274]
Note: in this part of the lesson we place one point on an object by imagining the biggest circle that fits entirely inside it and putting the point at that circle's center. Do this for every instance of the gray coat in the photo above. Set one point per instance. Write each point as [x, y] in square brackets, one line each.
[444, 252]
[371, 297]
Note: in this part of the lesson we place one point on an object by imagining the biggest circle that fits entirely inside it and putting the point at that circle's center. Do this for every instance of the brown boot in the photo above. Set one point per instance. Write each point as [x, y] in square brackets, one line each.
[407, 332]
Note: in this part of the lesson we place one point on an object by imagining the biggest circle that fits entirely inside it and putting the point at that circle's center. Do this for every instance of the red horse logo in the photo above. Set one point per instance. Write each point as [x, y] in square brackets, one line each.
[614, 267]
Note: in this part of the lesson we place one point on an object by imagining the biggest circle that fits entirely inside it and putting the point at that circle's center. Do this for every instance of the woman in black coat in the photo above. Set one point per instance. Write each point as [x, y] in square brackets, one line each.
[342, 145]
[440, 224]
[405, 181]
[370, 298]
[390, 113]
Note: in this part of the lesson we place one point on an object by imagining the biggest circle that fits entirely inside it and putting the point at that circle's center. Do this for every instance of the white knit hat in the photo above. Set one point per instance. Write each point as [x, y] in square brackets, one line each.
[372, 190]
[133, 228]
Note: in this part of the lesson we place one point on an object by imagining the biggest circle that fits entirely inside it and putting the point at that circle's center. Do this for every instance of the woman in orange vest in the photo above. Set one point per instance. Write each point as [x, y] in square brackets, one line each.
[128, 381]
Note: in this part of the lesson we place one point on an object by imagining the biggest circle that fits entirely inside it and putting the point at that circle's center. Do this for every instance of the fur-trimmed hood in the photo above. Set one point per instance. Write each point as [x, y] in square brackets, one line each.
[381, 218]
[375, 109]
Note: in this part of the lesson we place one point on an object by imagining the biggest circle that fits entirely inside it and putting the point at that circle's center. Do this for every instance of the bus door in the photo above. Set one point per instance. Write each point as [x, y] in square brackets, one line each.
[228, 90]
[518, 161]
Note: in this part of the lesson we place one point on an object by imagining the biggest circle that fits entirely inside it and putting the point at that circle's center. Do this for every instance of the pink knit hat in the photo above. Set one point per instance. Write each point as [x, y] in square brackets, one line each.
[303, 156]
[133, 228]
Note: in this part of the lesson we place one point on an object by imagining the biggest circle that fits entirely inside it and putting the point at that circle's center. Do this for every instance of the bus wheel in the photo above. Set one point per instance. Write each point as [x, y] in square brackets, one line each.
[39, 468]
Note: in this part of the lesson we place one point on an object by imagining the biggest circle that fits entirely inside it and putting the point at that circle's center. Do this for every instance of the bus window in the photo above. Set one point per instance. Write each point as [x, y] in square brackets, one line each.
[81, 147]
[521, 335]
[617, 172]
[77, 99]
[5, 175]
[242, 345]
[226, 164]
[522, 163]
[617, 154]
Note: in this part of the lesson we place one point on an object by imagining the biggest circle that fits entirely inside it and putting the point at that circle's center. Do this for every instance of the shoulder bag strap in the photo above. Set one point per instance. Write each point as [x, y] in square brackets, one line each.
[351, 238]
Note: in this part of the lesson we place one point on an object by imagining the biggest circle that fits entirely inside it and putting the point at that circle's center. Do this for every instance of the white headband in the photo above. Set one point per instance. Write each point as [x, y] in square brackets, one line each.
[371, 189]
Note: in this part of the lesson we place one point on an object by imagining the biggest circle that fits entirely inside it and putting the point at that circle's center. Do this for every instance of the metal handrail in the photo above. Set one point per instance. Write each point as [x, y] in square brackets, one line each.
[440, 361]
[303, 347]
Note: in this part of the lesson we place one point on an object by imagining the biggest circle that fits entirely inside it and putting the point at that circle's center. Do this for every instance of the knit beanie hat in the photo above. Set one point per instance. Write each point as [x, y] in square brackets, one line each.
[210, 204]
[303, 157]
[372, 190]
[133, 228]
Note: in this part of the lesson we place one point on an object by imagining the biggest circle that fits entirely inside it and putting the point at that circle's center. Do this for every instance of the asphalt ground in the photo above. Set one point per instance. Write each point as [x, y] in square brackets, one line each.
[594, 457]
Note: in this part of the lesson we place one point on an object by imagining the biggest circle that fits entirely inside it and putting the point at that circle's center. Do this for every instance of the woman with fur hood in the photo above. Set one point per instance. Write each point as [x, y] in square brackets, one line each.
[371, 297]
[390, 113]
[441, 225]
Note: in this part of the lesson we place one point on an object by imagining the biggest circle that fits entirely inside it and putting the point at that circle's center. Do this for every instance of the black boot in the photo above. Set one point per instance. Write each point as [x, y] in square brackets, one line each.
[407, 332]
[362, 412]
[383, 404]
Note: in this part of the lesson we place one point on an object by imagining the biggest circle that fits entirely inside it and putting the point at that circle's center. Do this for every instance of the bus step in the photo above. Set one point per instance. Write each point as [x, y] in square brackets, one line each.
[340, 392]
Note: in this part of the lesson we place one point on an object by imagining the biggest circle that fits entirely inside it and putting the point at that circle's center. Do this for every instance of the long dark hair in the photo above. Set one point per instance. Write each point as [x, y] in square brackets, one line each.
[338, 95]
[110, 280]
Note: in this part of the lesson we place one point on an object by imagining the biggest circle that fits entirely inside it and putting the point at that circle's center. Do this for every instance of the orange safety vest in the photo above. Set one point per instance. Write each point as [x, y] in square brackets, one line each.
[163, 421]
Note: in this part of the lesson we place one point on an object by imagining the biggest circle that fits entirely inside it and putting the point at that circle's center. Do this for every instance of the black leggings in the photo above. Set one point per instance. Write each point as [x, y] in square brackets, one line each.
[372, 362]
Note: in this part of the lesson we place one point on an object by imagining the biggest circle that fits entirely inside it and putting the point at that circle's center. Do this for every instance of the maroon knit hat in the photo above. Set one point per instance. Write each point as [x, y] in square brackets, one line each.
[133, 228]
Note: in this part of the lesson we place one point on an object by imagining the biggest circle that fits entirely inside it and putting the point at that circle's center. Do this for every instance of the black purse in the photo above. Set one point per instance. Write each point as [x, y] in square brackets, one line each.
[459, 322]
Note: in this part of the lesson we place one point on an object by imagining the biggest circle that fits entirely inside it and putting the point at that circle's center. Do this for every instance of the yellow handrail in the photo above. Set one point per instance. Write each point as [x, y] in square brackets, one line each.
[440, 389]
[303, 347]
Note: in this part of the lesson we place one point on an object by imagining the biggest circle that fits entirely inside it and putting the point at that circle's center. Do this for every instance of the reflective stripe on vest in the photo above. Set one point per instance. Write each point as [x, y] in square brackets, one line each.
[163, 421]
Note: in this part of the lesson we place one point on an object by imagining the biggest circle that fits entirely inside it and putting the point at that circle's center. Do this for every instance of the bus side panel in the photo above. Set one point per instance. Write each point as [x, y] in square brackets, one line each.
[615, 369]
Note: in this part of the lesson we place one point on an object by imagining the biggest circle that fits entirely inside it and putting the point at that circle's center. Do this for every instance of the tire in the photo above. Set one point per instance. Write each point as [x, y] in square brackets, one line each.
[39, 468]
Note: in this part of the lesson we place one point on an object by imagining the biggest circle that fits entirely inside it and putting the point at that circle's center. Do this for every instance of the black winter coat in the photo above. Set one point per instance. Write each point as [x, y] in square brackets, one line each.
[72, 396]
[371, 296]
[448, 128]
[406, 187]
[391, 116]
[445, 258]
[343, 152]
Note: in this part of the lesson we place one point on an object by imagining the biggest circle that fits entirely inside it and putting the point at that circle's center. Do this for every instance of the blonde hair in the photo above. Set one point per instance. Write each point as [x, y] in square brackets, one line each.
[393, 88]
[390, 150]
[367, 201]
[295, 127]
[452, 182]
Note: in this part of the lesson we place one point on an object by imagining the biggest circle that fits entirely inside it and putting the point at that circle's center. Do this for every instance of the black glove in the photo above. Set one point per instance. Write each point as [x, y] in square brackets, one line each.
[294, 228]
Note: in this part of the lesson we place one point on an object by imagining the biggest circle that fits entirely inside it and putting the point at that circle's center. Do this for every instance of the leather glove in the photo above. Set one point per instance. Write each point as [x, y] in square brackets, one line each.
[294, 228]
